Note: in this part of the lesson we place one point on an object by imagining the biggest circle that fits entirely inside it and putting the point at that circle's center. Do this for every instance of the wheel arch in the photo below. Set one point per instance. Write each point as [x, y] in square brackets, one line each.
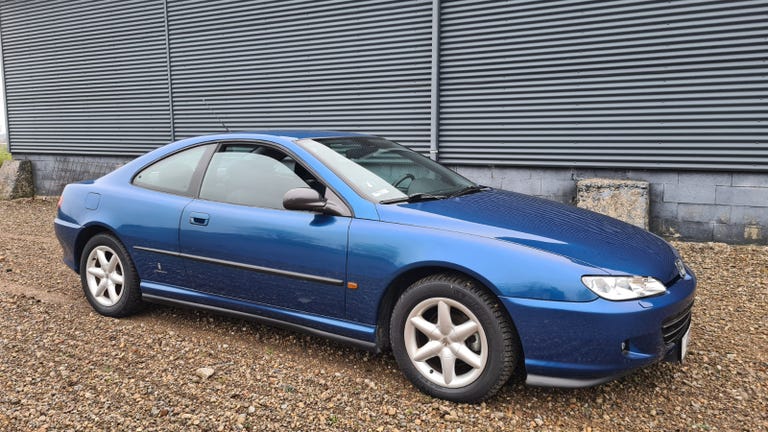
[408, 277]
[86, 234]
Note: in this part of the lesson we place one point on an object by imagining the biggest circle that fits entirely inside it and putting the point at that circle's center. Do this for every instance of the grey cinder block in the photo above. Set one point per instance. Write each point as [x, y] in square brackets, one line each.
[743, 179]
[743, 196]
[720, 179]
[704, 213]
[690, 193]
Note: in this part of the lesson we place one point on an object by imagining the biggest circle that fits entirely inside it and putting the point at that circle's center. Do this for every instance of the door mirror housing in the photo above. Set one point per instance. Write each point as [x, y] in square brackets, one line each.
[308, 199]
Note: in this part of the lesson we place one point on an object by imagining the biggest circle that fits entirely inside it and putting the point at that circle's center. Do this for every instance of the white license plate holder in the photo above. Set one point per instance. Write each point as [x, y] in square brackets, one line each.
[684, 344]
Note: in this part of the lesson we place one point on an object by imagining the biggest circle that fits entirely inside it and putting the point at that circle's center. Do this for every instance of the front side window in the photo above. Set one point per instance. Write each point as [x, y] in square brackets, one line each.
[174, 173]
[251, 175]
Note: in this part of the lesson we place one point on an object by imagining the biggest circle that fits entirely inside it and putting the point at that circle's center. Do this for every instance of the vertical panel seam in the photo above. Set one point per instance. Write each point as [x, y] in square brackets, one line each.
[434, 109]
[5, 90]
[168, 66]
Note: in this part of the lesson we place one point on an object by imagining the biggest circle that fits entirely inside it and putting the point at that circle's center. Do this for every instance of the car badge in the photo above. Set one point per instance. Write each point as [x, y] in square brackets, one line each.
[680, 268]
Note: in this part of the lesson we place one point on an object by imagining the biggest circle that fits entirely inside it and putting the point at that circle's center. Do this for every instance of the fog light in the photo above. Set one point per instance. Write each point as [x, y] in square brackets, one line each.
[625, 347]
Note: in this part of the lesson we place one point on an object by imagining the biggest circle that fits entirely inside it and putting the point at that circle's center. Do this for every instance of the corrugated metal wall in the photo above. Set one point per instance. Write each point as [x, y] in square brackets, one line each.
[362, 65]
[623, 84]
[85, 77]
[650, 84]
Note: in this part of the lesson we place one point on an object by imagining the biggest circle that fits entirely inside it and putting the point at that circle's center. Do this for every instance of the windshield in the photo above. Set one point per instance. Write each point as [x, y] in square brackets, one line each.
[384, 171]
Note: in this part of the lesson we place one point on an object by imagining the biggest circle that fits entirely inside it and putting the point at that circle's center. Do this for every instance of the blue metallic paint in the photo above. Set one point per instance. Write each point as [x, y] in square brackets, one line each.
[268, 238]
[584, 236]
[583, 340]
[531, 253]
[377, 256]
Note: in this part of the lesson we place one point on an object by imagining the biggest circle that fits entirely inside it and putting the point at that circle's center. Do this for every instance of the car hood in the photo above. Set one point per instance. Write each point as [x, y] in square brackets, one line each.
[582, 235]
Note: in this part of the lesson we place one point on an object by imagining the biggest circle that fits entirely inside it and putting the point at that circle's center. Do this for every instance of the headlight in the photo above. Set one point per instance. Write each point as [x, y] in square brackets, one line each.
[623, 287]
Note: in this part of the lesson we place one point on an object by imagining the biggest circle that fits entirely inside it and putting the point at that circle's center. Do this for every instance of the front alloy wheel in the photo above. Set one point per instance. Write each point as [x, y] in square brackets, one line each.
[453, 339]
[446, 342]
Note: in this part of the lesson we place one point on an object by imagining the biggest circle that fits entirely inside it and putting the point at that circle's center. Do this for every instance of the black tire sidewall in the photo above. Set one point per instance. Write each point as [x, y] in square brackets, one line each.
[488, 382]
[131, 295]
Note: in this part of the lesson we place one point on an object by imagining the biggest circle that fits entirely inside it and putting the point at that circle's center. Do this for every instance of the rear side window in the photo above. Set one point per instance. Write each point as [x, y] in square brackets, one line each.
[173, 174]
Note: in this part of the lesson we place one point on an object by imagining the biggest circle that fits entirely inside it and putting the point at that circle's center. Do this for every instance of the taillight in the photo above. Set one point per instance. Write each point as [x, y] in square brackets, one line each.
[61, 200]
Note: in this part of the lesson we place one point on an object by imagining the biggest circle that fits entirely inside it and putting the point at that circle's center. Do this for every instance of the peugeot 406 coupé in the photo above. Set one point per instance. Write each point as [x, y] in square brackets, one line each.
[357, 238]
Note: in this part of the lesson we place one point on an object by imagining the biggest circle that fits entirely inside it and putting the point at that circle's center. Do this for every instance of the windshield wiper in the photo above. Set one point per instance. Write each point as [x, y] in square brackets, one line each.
[428, 196]
[468, 190]
[413, 198]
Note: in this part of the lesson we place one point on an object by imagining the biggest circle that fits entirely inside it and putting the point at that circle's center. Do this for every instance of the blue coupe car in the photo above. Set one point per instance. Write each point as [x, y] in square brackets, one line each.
[359, 239]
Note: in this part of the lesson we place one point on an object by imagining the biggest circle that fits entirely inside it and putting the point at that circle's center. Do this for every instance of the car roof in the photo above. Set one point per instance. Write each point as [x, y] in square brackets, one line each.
[303, 133]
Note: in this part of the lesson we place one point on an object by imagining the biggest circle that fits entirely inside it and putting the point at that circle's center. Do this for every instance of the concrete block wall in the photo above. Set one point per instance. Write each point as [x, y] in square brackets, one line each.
[51, 173]
[686, 205]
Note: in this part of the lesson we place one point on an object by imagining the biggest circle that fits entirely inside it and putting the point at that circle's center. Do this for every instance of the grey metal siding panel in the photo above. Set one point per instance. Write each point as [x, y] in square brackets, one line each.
[616, 83]
[359, 66]
[85, 77]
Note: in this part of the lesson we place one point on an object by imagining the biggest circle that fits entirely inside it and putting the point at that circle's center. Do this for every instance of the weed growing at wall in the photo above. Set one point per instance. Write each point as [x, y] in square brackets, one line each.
[4, 155]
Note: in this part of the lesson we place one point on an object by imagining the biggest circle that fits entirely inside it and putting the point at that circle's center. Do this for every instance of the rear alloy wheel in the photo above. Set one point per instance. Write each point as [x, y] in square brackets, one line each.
[452, 340]
[108, 277]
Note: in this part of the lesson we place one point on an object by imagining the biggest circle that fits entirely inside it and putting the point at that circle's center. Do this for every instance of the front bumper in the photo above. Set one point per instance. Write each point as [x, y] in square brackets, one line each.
[579, 344]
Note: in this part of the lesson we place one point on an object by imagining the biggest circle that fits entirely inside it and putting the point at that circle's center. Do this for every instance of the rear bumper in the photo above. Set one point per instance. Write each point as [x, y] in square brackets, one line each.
[580, 344]
[66, 233]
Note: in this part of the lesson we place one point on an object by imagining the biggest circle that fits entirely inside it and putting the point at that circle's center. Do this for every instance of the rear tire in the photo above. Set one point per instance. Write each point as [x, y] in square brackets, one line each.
[452, 338]
[109, 278]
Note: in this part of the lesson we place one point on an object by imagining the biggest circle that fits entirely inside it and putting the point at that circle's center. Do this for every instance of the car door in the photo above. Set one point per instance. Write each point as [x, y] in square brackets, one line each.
[240, 243]
[151, 231]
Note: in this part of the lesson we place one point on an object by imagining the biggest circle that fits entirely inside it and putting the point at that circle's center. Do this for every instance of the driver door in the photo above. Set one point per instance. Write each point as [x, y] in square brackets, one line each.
[239, 242]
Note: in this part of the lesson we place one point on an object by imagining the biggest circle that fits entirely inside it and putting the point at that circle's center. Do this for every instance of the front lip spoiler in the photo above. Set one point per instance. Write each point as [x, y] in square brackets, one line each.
[548, 381]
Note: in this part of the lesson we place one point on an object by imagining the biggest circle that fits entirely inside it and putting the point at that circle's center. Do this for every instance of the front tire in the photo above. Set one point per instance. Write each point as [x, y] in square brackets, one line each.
[452, 339]
[109, 278]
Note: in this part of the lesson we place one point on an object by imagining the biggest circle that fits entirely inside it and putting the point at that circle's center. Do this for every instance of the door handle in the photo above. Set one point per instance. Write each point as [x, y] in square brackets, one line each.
[196, 218]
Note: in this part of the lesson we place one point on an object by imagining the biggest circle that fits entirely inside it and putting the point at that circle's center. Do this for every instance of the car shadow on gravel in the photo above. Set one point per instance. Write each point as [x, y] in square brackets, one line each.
[251, 334]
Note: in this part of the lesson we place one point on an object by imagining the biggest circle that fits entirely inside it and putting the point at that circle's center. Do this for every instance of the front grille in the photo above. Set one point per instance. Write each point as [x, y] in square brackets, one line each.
[674, 327]
[672, 281]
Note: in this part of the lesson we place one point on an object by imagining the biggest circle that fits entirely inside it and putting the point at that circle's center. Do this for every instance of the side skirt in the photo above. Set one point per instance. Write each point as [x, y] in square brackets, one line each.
[366, 345]
[177, 296]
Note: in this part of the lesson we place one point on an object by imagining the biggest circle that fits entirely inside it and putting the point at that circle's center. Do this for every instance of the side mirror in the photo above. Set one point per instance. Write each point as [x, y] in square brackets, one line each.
[308, 199]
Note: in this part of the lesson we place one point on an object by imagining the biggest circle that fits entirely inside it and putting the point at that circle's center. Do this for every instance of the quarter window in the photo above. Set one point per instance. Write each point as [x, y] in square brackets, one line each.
[173, 174]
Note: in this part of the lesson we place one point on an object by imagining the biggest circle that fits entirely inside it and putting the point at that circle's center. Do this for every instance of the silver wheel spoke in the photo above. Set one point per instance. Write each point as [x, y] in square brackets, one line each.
[112, 264]
[111, 293]
[100, 288]
[430, 330]
[102, 257]
[464, 330]
[429, 350]
[448, 363]
[444, 322]
[97, 272]
[467, 355]
[116, 278]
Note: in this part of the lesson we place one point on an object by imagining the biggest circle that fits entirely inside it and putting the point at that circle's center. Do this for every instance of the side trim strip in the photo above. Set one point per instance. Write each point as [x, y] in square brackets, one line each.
[258, 269]
[370, 346]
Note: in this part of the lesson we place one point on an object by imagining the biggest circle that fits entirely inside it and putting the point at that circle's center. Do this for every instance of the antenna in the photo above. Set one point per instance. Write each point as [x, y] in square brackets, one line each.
[215, 114]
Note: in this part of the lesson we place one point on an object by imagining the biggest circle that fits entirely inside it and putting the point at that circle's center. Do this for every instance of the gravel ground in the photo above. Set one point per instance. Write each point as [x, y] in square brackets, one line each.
[64, 367]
